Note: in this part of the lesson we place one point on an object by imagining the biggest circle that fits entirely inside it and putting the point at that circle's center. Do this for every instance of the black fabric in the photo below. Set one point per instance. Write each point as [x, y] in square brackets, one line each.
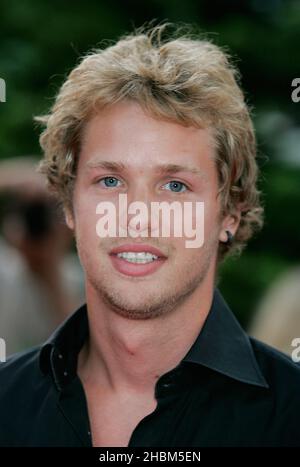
[229, 390]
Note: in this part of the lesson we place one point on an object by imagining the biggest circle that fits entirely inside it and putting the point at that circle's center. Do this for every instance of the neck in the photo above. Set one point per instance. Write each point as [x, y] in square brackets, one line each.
[130, 354]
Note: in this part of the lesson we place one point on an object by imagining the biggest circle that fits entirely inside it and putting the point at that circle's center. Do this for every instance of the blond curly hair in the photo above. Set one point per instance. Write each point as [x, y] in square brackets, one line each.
[177, 77]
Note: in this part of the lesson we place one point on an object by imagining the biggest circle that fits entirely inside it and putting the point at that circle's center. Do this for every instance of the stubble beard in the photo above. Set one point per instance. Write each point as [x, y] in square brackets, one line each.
[164, 301]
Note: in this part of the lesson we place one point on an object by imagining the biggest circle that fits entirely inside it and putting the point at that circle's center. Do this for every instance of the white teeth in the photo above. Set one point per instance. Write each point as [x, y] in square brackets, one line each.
[140, 257]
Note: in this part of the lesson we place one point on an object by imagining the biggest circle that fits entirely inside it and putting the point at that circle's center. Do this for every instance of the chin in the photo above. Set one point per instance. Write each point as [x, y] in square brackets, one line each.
[133, 302]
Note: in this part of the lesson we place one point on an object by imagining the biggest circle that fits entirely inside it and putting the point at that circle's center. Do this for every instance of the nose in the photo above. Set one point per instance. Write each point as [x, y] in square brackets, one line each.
[137, 220]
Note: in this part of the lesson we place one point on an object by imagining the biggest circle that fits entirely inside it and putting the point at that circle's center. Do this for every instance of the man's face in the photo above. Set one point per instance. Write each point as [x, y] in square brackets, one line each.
[125, 151]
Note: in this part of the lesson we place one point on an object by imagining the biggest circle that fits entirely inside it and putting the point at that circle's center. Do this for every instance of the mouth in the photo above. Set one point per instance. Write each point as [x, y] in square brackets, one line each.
[137, 259]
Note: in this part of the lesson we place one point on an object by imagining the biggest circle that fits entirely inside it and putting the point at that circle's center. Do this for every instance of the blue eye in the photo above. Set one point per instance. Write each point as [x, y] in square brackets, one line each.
[110, 182]
[176, 186]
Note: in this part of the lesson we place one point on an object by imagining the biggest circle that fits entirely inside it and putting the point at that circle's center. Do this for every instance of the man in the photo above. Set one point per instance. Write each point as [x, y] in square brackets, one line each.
[155, 358]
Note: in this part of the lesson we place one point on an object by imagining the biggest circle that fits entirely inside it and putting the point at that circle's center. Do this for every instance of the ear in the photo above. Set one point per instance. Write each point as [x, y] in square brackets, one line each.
[231, 223]
[69, 218]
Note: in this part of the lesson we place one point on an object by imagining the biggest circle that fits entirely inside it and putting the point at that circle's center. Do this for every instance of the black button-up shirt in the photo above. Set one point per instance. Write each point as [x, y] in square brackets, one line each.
[229, 390]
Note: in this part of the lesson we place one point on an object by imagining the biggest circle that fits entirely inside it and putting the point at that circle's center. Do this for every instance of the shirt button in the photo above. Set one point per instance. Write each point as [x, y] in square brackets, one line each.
[168, 382]
[65, 373]
[60, 356]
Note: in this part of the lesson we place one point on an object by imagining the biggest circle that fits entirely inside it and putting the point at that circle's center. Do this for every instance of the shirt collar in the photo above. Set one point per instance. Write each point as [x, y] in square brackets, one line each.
[59, 353]
[222, 345]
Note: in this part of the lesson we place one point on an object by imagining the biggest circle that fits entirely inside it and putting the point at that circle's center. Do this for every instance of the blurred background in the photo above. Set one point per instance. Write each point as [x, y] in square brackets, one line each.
[40, 42]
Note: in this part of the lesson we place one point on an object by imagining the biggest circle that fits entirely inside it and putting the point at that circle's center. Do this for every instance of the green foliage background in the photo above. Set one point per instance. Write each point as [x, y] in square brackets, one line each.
[41, 41]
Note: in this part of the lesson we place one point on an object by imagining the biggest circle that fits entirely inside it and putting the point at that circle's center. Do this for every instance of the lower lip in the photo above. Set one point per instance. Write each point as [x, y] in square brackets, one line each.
[136, 269]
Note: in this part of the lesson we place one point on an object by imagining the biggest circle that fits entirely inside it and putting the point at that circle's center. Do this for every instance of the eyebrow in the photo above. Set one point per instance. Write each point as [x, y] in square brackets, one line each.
[168, 169]
[174, 168]
[115, 166]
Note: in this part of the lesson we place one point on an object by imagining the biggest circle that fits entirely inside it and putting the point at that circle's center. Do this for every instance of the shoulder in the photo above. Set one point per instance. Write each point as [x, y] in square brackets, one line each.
[277, 367]
[283, 401]
[20, 371]
[26, 401]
